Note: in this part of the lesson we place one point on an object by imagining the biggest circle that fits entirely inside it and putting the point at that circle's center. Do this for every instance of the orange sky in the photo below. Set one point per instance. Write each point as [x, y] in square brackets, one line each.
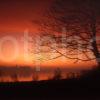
[15, 18]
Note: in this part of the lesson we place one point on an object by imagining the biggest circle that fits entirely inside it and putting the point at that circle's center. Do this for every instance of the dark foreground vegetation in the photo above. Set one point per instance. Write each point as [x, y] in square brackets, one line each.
[85, 88]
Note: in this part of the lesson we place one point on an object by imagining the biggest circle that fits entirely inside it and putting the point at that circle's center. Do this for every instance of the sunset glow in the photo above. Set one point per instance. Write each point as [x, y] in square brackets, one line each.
[20, 21]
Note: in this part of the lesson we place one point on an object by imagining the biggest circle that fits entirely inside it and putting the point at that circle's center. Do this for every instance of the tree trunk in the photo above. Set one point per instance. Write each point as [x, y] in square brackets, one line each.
[94, 42]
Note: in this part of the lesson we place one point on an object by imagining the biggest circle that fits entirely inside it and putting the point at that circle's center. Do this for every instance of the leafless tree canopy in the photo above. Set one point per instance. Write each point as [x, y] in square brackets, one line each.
[77, 23]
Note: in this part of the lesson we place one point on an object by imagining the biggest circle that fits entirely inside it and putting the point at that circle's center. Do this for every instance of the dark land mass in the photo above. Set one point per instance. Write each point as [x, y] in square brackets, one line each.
[85, 88]
[51, 90]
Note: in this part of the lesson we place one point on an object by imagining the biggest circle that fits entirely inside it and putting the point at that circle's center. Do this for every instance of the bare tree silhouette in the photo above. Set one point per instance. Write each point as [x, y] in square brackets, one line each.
[14, 77]
[80, 23]
[70, 75]
[35, 77]
[57, 74]
[1, 76]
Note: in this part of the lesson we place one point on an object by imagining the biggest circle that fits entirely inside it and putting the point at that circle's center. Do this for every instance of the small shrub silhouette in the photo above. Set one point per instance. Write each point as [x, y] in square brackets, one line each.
[57, 74]
[35, 77]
